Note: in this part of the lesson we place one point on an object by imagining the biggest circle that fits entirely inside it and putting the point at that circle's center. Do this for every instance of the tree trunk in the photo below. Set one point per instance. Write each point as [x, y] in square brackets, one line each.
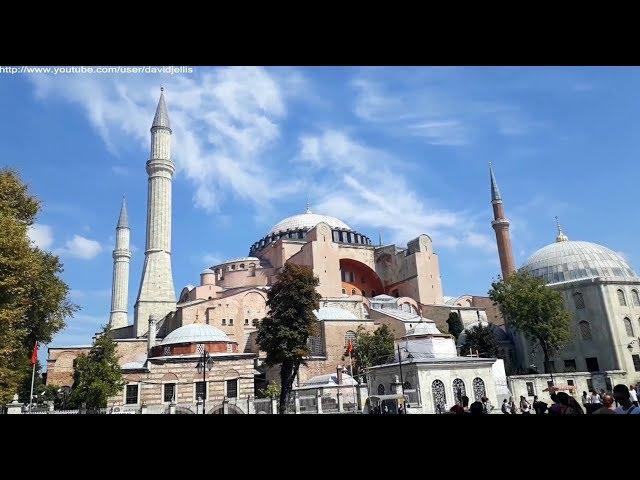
[288, 372]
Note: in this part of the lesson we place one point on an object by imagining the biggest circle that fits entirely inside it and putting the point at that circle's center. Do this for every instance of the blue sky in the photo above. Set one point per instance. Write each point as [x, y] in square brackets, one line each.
[401, 151]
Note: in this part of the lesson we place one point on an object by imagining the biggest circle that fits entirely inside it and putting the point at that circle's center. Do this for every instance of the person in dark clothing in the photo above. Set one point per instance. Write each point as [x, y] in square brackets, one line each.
[557, 408]
[476, 408]
[571, 406]
[539, 407]
[465, 403]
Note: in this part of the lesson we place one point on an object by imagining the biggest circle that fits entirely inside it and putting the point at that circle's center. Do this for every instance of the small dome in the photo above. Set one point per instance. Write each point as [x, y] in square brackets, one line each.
[566, 260]
[334, 313]
[307, 221]
[206, 271]
[195, 333]
[424, 328]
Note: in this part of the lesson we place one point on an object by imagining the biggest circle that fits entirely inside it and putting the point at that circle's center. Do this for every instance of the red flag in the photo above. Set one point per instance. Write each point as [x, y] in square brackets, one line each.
[34, 355]
[349, 347]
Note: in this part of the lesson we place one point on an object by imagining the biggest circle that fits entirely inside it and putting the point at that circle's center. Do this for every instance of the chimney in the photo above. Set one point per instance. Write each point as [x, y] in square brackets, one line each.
[151, 334]
[339, 372]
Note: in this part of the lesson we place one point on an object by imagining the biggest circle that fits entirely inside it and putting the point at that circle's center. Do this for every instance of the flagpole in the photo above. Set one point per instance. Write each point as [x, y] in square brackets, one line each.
[33, 376]
[34, 361]
[355, 395]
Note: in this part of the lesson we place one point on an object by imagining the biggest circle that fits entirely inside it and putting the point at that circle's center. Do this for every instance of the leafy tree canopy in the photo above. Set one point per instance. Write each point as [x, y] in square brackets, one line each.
[371, 349]
[284, 333]
[533, 309]
[455, 324]
[97, 375]
[481, 339]
[33, 298]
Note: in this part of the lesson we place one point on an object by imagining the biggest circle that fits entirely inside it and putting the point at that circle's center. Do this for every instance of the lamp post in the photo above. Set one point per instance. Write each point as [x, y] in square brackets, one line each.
[205, 364]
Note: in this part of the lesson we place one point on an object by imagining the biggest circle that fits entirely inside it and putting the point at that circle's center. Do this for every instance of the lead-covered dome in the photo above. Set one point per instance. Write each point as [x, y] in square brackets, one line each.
[307, 221]
[573, 260]
[195, 333]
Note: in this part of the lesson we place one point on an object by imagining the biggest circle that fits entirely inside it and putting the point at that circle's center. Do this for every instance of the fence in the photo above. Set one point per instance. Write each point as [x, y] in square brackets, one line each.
[331, 400]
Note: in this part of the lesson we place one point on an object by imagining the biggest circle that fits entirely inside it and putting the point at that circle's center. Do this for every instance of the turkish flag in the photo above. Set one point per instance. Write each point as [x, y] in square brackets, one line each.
[34, 355]
[349, 347]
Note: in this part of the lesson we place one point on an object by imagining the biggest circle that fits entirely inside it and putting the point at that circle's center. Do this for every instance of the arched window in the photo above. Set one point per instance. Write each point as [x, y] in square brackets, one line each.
[350, 335]
[621, 298]
[233, 267]
[635, 298]
[224, 321]
[459, 389]
[353, 291]
[246, 321]
[585, 330]
[439, 396]
[628, 327]
[381, 389]
[231, 321]
[578, 300]
[478, 388]
[316, 346]
[242, 265]
[344, 291]
[254, 322]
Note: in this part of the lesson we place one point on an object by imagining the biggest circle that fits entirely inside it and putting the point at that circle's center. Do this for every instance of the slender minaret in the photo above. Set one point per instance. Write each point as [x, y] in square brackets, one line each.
[157, 296]
[501, 226]
[120, 282]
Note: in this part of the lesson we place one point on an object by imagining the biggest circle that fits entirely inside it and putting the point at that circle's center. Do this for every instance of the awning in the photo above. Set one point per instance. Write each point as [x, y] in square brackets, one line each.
[560, 388]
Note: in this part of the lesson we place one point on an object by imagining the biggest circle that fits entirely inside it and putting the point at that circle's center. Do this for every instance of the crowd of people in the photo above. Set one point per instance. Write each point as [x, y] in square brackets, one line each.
[462, 407]
[623, 400]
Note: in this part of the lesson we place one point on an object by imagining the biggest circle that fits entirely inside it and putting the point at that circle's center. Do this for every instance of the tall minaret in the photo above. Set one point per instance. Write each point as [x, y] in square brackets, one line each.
[120, 282]
[157, 296]
[501, 226]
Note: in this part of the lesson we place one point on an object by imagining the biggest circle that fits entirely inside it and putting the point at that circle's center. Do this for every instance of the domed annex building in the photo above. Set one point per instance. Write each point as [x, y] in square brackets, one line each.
[601, 292]
[361, 284]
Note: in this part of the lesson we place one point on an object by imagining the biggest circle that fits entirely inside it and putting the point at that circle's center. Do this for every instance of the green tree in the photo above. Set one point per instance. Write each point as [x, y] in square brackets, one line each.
[533, 309]
[97, 375]
[480, 338]
[33, 299]
[272, 390]
[371, 349]
[284, 332]
[455, 325]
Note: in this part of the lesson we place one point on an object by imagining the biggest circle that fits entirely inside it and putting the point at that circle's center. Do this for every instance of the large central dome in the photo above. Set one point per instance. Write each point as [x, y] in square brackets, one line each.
[307, 221]
[572, 260]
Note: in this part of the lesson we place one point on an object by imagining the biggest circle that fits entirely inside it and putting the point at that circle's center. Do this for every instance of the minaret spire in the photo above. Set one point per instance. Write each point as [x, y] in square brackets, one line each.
[561, 236]
[120, 280]
[156, 296]
[501, 226]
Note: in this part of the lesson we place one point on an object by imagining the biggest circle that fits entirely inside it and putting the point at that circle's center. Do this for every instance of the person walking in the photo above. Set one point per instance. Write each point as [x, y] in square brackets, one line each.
[512, 406]
[557, 408]
[633, 394]
[539, 407]
[505, 407]
[594, 398]
[607, 406]
[525, 407]
[585, 398]
[623, 397]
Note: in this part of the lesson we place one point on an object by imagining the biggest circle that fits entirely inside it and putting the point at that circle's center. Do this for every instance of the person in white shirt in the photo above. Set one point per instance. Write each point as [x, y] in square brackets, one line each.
[594, 398]
[623, 397]
[633, 395]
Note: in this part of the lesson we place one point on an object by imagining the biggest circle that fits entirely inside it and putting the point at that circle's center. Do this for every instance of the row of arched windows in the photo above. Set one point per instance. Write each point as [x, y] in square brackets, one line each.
[459, 390]
[578, 299]
[635, 298]
[585, 328]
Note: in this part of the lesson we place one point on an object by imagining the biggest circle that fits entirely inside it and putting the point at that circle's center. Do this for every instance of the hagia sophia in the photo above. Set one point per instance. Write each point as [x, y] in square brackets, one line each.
[361, 284]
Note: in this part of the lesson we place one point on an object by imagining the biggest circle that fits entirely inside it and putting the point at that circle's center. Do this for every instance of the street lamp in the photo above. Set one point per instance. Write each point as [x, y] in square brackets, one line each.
[205, 364]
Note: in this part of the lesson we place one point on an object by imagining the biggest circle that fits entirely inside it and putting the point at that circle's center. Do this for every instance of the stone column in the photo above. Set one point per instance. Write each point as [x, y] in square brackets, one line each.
[15, 407]
[296, 398]
[274, 406]
[172, 408]
[319, 399]
[340, 400]
[225, 405]
[199, 406]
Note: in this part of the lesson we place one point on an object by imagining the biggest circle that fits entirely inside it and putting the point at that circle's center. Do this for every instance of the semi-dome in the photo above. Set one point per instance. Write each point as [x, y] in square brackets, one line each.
[195, 333]
[572, 260]
[307, 221]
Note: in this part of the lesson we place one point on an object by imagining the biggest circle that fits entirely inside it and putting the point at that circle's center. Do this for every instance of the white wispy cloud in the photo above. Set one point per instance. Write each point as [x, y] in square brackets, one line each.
[383, 199]
[442, 112]
[224, 121]
[80, 247]
[41, 235]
